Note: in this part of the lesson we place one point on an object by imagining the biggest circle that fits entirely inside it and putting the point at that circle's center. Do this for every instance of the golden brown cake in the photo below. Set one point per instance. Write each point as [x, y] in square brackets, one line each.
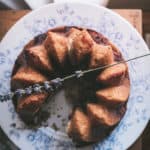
[102, 96]
[102, 114]
[57, 47]
[114, 94]
[113, 75]
[38, 57]
[26, 76]
[80, 127]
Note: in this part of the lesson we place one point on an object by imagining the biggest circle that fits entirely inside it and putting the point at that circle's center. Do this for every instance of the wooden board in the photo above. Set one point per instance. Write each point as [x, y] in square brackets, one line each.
[146, 22]
[9, 17]
[142, 4]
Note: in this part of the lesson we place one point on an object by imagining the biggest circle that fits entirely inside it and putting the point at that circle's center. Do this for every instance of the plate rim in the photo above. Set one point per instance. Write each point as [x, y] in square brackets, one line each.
[90, 5]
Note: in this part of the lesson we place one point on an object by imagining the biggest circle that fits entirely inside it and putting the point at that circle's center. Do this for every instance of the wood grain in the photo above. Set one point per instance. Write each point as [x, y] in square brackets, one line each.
[146, 22]
[133, 4]
[8, 18]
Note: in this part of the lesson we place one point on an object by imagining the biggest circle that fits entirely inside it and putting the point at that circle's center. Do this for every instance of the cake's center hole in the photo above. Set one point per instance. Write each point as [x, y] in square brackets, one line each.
[76, 92]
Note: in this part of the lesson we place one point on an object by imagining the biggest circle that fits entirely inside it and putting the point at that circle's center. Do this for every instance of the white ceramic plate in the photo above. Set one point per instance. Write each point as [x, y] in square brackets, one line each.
[85, 15]
[34, 4]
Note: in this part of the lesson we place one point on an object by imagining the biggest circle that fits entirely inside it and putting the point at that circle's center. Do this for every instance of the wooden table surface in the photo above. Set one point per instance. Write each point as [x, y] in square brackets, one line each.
[134, 16]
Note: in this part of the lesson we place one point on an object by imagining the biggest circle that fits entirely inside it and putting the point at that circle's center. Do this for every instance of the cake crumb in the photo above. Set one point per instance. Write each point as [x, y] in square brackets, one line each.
[13, 125]
[58, 116]
[54, 126]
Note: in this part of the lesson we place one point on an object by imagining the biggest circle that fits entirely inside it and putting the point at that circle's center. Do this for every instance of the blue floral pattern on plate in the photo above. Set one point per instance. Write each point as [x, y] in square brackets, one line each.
[113, 27]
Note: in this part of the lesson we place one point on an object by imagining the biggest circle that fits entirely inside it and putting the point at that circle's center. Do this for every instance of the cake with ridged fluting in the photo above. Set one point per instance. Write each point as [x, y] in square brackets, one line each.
[102, 98]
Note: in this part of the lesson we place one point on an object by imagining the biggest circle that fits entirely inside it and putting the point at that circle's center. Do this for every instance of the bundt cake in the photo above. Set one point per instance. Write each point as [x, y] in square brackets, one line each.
[102, 95]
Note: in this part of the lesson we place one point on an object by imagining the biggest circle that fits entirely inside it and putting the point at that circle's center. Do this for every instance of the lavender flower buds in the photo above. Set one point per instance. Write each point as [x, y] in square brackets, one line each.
[48, 87]
[28, 90]
[79, 73]
[19, 92]
[37, 88]
[6, 97]
[2, 99]
[57, 83]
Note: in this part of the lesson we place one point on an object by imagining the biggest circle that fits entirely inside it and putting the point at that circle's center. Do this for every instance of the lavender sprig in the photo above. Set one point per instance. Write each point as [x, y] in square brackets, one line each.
[47, 86]
[53, 85]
